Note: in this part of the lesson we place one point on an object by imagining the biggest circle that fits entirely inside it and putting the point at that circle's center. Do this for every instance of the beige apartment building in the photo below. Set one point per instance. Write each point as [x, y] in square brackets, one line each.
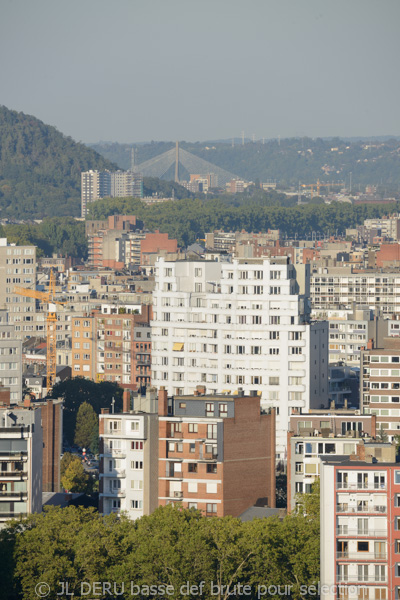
[18, 268]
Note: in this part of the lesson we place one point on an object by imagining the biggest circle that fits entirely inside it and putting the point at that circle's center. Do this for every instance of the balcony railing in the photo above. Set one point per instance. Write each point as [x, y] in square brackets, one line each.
[361, 486]
[358, 556]
[344, 508]
[344, 530]
[13, 474]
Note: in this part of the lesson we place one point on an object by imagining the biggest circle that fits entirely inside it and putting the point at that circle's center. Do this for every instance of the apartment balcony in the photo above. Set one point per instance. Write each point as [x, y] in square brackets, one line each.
[344, 508]
[14, 475]
[358, 556]
[361, 486]
[114, 473]
[113, 493]
[112, 453]
[12, 455]
[343, 530]
[355, 580]
[14, 496]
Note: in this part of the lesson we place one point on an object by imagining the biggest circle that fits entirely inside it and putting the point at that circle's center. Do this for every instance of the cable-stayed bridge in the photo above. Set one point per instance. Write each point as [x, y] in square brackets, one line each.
[161, 164]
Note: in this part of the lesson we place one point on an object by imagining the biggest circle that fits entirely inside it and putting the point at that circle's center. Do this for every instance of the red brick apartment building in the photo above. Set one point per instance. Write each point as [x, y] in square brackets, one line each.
[360, 529]
[114, 347]
[216, 452]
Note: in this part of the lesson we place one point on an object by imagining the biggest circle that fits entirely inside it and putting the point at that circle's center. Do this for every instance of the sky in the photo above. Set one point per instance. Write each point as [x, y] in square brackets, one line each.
[140, 70]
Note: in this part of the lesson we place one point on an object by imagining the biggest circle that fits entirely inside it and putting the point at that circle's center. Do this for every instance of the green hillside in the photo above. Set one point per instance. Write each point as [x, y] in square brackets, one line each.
[40, 168]
[288, 161]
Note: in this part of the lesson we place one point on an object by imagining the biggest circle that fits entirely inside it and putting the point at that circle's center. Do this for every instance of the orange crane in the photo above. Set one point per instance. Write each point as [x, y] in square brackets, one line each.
[318, 185]
[48, 298]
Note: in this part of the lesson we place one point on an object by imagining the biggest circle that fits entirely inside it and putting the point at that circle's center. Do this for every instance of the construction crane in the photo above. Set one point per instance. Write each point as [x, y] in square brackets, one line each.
[48, 298]
[318, 185]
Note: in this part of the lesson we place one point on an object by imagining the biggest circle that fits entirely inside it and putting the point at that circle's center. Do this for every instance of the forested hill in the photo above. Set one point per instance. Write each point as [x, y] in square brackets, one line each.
[288, 161]
[40, 168]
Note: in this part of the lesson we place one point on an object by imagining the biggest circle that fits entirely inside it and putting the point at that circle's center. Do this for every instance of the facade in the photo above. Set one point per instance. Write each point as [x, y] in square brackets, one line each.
[18, 268]
[20, 462]
[239, 324]
[107, 184]
[128, 462]
[314, 435]
[360, 529]
[113, 347]
[10, 358]
[349, 331]
[380, 385]
[216, 452]
[339, 287]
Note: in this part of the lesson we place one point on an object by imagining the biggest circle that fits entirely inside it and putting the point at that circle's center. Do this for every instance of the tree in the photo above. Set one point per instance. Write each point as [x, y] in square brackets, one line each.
[86, 422]
[381, 435]
[78, 390]
[75, 479]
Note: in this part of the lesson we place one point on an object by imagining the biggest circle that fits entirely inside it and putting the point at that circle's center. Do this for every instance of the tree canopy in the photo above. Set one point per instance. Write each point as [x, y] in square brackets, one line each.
[171, 547]
[86, 421]
[78, 390]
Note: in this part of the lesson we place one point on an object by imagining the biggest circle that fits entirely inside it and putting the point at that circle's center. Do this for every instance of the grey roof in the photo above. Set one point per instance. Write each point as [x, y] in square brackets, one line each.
[260, 512]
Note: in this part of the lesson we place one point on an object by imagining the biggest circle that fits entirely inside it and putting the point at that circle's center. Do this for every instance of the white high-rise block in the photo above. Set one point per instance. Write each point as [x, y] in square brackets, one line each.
[239, 324]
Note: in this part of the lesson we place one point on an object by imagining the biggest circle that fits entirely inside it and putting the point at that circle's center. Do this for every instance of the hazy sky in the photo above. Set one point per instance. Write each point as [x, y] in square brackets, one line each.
[137, 70]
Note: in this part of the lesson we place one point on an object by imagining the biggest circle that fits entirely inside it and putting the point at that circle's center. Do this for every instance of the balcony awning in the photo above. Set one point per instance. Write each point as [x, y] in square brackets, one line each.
[178, 346]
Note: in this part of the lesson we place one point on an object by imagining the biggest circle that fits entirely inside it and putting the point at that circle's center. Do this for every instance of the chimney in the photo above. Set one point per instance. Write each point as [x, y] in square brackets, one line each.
[162, 402]
[27, 401]
[370, 344]
[345, 403]
[105, 411]
[126, 401]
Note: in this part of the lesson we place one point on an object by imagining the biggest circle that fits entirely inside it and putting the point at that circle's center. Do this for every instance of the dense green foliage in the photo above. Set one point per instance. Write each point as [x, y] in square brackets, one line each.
[40, 168]
[288, 162]
[74, 478]
[86, 422]
[188, 220]
[78, 390]
[170, 547]
[61, 235]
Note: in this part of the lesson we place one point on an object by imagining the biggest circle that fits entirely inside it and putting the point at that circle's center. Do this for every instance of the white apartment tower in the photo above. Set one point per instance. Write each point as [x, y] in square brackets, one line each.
[239, 324]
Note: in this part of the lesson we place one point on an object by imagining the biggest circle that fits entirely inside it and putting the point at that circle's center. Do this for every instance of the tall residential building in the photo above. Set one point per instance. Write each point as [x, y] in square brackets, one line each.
[107, 184]
[239, 324]
[360, 529]
[340, 287]
[128, 461]
[18, 268]
[113, 347]
[216, 452]
[380, 385]
[21, 445]
[10, 358]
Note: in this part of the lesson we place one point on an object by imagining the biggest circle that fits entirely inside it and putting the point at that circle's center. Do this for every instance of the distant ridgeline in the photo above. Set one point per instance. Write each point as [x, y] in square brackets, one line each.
[286, 161]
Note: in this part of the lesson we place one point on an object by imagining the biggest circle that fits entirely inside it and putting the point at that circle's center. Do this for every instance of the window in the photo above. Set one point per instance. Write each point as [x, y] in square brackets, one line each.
[211, 468]
[136, 445]
[209, 409]
[134, 425]
[192, 467]
[274, 335]
[274, 350]
[136, 504]
[136, 465]
[274, 381]
[223, 410]
[211, 488]
[192, 505]
[192, 448]
[211, 431]
[362, 546]
[211, 509]
[192, 427]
